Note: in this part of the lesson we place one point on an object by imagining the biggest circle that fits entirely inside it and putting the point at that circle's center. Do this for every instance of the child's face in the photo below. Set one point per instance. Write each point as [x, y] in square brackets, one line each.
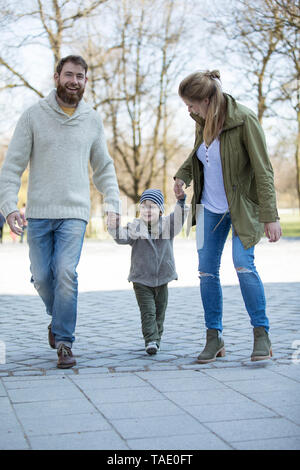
[149, 211]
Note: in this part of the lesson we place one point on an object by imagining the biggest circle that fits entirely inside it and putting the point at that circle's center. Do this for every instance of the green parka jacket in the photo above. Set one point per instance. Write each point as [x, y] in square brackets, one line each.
[247, 172]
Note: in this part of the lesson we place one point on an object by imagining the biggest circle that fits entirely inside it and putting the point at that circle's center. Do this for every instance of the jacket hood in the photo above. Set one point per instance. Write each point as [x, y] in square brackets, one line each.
[234, 116]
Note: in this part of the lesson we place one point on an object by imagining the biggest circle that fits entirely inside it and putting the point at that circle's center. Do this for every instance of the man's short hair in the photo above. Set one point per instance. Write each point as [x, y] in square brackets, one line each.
[75, 59]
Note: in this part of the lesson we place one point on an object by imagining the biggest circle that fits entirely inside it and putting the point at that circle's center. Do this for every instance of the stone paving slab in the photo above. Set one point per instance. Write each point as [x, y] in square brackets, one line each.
[105, 344]
[218, 418]
[117, 397]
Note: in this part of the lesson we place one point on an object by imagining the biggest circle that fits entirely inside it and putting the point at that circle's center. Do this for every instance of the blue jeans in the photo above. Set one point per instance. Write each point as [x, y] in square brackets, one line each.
[54, 250]
[209, 266]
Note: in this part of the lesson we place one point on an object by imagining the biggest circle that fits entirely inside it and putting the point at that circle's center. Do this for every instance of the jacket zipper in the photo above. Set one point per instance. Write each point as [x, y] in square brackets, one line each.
[229, 204]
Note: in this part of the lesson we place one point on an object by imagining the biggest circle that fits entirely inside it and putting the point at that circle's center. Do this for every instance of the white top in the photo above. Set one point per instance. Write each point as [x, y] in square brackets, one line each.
[213, 195]
[59, 149]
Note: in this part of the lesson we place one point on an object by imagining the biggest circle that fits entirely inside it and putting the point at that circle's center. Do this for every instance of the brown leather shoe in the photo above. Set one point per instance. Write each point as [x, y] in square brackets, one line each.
[65, 357]
[51, 338]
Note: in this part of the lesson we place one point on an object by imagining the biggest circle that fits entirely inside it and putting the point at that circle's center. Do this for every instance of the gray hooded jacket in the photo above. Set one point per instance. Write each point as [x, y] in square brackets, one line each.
[152, 257]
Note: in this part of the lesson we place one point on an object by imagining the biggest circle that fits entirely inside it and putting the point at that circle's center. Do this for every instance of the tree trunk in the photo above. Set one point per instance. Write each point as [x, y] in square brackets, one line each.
[297, 155]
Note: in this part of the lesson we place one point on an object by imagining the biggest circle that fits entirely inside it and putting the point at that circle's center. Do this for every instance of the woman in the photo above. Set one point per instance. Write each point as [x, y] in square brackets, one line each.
[233, 179]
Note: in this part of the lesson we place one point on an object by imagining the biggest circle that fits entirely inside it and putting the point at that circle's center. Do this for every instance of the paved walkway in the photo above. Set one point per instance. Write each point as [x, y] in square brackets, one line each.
[117, 397]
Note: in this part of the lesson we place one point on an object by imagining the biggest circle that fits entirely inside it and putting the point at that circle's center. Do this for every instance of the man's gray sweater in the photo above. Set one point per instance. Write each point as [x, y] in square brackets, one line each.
[58, 149]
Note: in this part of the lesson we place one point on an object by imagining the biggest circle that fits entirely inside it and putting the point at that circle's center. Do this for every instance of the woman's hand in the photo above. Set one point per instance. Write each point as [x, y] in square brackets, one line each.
[273, 231]
[178, 188]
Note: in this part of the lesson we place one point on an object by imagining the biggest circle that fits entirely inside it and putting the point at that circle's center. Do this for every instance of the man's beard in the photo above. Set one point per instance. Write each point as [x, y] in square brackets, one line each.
[69, 98]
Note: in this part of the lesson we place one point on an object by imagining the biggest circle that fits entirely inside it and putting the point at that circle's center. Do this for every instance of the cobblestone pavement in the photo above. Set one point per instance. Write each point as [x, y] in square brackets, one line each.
[117, 397]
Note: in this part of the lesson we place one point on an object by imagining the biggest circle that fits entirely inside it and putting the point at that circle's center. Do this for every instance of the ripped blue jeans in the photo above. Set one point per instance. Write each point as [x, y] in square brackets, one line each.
[209, 267]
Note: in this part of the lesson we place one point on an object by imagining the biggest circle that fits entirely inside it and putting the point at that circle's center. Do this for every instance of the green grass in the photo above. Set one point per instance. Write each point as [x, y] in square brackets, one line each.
[290, 224]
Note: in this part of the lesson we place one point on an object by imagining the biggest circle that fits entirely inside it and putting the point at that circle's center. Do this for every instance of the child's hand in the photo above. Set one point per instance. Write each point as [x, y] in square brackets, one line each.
[179, 194]
[113, 220]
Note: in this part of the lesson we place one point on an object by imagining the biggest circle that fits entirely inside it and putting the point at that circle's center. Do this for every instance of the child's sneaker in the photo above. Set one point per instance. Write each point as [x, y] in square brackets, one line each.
[152, 348]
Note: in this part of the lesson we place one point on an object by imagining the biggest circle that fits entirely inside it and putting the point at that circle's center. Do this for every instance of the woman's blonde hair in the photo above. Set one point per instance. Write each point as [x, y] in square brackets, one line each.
[200, 85]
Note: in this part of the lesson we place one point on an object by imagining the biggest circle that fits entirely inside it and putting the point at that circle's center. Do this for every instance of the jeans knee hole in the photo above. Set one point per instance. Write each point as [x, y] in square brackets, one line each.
[243, 270]
[201, 274]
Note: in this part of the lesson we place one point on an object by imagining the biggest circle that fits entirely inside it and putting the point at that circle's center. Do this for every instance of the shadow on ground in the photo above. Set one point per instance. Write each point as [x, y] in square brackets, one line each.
[108, 333]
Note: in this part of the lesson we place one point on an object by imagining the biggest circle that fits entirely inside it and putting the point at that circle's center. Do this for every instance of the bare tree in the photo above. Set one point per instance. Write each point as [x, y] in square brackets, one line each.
[134, 62]
[131, 78]
[52, 24]
[290, 49]
[251, 46]
[284, 171]
[263, 36]
[283, 18]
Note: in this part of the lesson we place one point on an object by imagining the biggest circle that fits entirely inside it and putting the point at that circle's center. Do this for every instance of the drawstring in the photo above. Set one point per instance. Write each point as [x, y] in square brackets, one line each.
[228, 210]
[220, 220]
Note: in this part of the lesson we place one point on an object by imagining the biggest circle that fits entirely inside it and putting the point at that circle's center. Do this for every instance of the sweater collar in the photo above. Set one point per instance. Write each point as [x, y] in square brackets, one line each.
[82, 108]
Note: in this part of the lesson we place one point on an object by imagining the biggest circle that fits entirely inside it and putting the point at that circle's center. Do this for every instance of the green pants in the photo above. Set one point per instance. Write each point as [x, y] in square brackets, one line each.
[152, 302]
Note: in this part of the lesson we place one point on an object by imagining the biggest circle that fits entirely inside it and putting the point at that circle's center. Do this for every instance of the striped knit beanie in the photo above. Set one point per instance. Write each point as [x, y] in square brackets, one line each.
[154, 195]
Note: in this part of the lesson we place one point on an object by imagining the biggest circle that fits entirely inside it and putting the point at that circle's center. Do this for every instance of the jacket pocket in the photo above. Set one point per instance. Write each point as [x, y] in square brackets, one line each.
[251, 201]
[167, 271]
[245, 214]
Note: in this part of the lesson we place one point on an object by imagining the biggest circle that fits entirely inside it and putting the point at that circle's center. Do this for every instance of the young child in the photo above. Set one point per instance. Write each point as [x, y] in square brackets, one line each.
[152, 259]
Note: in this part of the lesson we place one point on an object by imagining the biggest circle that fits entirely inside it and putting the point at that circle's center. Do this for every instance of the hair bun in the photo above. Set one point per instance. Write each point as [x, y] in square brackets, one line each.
[214, 74]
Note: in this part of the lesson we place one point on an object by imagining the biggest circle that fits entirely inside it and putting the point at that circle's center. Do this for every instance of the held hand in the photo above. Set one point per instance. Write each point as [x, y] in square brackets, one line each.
[180, 195]
[113, 220]
[178, 188]
[273, 231]
[16, 222]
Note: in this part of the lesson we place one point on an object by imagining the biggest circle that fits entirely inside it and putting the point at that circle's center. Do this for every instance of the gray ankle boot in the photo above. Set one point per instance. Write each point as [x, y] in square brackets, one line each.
[214, 347]
[262, 345]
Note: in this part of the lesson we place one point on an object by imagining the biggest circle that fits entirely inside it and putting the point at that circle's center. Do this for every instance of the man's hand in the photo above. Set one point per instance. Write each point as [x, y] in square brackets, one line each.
[178, 188]
[113, 220]
[273, 231]
[16, 221]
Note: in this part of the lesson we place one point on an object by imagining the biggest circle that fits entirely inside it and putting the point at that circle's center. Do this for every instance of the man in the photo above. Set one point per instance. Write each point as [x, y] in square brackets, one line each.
[58, 136]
